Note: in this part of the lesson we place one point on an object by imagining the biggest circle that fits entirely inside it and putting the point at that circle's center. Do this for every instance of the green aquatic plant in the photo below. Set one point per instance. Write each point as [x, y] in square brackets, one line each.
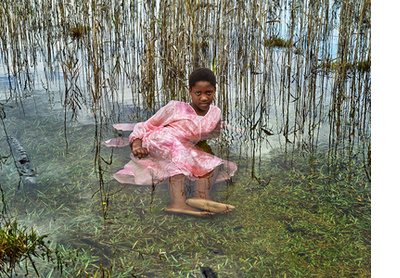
[78, 32]
[19, 245]
[277, 42]
[361, 66]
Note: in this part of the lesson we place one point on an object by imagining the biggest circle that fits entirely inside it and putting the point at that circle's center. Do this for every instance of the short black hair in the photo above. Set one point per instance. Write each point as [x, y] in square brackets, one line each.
[202, 74]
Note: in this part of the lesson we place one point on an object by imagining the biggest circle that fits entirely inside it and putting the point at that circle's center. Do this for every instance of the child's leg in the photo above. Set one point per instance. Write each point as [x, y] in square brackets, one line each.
[202, 199]
[176, 188]
[204, 184]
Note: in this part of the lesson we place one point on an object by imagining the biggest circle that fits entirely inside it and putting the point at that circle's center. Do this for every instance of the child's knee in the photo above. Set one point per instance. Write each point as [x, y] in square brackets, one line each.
[208, 175]
[179, 177]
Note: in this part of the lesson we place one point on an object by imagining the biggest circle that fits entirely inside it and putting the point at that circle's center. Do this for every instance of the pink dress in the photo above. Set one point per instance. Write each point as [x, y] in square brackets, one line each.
[170, 137]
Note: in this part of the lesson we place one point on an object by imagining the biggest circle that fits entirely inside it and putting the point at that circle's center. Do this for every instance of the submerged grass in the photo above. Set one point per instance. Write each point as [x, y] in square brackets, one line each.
[292, 219]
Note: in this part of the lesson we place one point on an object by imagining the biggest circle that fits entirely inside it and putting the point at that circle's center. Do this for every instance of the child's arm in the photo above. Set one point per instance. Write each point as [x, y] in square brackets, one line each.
[163, 117]
[216, 132]
[226, 125]
[137, 149]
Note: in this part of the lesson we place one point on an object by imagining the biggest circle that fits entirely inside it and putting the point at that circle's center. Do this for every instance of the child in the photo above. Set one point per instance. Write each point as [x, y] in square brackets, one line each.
[164, 147]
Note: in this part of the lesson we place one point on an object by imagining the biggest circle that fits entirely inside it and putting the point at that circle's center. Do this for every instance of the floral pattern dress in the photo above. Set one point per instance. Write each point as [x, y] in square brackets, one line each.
[170, 137]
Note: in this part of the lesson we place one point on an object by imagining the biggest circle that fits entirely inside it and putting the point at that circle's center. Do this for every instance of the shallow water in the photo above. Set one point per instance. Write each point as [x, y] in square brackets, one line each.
[69, 70]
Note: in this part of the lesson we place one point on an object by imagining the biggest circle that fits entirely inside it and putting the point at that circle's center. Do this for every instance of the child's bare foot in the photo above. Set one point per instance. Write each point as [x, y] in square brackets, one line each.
[185, 209]
[209, 205]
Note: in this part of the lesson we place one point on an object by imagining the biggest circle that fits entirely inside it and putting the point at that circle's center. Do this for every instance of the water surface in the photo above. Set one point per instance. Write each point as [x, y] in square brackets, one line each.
[71, 69]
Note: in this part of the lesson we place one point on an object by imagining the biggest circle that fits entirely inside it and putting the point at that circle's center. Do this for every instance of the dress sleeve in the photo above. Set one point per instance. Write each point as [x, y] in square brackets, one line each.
[216, 126]
[163, 117]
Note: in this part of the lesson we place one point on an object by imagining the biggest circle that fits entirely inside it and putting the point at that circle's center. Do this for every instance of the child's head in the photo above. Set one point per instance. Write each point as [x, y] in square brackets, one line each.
[202, 89]
[202, 74]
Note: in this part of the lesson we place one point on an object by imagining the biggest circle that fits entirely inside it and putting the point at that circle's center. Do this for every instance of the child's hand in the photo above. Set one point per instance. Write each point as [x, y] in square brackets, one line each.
[138, 150]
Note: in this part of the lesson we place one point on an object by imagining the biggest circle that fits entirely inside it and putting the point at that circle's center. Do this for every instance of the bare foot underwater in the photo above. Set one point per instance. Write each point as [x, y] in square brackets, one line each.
[185, 209]
[209, 205]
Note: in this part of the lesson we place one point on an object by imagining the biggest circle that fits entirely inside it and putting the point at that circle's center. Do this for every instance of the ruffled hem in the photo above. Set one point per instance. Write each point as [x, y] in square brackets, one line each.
[137, 174]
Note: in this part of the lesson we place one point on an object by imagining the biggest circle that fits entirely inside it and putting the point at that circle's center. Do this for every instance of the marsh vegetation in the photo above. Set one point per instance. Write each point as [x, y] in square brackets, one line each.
[294, 74]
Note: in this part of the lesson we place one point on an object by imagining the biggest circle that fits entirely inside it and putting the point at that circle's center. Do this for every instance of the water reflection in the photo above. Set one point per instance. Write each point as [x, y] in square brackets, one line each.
[69, 70]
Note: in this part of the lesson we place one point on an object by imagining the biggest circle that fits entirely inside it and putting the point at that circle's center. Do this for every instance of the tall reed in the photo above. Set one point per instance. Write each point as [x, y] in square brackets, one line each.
[295, 69]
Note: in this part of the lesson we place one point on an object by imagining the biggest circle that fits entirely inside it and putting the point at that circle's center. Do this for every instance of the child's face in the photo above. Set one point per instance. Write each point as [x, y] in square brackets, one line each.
[202, 96]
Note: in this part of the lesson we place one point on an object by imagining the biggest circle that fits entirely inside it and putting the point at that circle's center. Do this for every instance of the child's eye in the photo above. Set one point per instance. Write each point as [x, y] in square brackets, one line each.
[197, 93]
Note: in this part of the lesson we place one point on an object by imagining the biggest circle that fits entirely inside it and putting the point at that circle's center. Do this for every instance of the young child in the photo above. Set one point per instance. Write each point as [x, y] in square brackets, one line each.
[164, 147]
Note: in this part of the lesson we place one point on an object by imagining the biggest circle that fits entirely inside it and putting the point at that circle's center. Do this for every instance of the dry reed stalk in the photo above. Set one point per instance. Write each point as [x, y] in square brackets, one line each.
[153, 46]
